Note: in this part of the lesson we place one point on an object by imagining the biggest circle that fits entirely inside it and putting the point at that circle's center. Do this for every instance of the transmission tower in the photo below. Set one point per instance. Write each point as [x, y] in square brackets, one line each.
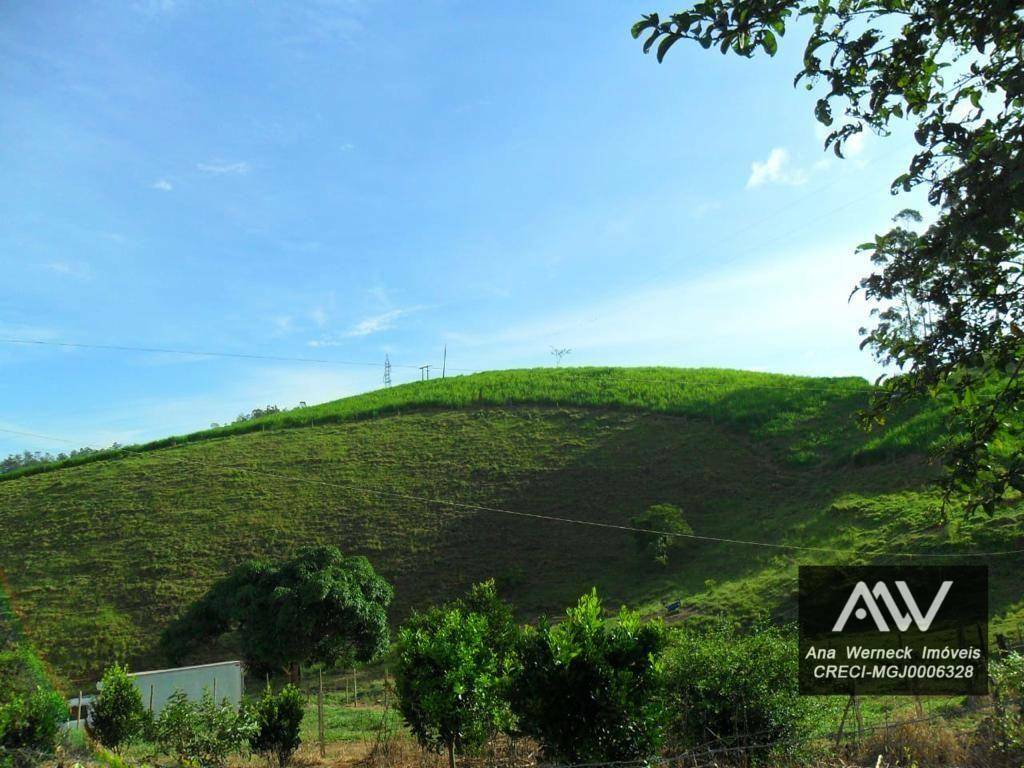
[387, 371]
[424, 373]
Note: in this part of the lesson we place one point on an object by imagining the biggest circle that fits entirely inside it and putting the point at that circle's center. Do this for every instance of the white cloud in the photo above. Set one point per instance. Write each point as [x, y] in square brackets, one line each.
[319, 316]
[376, 323]
[222, 168]
[777, 169]
[162, 185]
[787, 314]
[69, 268]
[366, 327]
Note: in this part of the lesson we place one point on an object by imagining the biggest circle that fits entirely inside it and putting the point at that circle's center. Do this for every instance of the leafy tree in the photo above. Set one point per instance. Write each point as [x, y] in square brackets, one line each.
[318, 607]
[587, 689]
[278, 719]
[30, 723]
[1006, 724]
[31, 712]
[451, 671]
[117, 716]
[673, 529]
[951, 295]
[722, 685]
[202, 733]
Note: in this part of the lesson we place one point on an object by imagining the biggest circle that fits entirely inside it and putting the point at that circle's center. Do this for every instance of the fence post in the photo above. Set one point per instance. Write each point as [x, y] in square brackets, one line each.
[320, 713]
[151, 698]
[78, 715]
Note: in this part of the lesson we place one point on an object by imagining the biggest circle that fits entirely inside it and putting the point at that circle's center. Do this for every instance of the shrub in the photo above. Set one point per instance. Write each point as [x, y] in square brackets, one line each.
[913, 744]
[278, 719]
[117, 715]
[30, 723]
[451, 671]
[666, 518]
[722, 685]
[201, 733]
[588, 690]
[1006, 726]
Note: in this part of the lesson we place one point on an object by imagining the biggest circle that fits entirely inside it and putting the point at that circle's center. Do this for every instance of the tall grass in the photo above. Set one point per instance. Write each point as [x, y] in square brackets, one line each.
[760, 403]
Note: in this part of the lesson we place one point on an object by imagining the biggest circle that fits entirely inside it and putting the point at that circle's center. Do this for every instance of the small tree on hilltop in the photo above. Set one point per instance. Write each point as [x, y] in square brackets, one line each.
[318, 607]
[451, 671]
[117, 716]
[672, 532]
[278, 719]
[587, 689]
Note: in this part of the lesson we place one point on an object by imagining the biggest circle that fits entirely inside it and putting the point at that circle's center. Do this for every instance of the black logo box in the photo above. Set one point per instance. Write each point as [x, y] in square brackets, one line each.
[949, 657]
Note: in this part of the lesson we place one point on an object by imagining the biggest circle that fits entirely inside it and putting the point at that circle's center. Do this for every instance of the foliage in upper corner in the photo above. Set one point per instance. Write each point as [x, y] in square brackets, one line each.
[318, 607]
[950, 296]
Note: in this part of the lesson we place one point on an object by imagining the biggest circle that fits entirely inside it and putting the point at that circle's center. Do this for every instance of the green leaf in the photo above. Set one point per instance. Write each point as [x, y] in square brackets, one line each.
[650, 40]
[769, 43]
[645, 23]
[665, 44]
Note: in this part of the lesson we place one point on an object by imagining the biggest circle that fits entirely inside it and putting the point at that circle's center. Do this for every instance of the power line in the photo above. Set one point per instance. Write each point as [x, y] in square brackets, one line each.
[576, 521]
[596, 371]
[41, 437]
[196, 353]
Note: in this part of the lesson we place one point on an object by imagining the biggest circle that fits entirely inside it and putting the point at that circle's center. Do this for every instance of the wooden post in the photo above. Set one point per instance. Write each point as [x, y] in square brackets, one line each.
[151, 698]
[320, 713]
[78, 714]
[355, 689]
[842, 722]
[214, 690]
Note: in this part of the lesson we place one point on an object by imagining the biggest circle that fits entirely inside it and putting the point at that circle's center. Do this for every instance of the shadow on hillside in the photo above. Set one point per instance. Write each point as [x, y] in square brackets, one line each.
[727, 484]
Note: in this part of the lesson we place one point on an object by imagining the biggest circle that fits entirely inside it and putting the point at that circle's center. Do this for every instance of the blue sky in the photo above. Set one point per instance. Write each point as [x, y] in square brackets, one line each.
[344, 180]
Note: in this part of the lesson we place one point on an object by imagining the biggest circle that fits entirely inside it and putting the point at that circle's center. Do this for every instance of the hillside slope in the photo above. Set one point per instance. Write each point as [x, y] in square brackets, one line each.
[100, 556]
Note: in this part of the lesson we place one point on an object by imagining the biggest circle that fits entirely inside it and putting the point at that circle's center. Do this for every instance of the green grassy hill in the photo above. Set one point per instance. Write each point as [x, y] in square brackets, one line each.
[101, 553]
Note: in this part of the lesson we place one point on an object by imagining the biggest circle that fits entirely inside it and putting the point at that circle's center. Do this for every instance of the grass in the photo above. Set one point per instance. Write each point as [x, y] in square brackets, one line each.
[99, 556]
[770, 403]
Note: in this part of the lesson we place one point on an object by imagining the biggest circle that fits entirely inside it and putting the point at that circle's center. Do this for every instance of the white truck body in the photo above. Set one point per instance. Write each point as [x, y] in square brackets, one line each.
[224, 680]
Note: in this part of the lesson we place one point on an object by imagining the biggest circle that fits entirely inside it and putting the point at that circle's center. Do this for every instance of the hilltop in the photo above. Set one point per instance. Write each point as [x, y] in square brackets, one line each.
[101, 552]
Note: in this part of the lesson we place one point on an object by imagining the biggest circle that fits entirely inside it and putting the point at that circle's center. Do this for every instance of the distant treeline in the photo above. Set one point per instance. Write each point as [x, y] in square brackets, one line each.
[34, 458]
[257, 413]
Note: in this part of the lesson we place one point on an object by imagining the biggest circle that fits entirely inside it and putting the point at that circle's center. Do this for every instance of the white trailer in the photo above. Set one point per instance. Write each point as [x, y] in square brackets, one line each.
[223, 680]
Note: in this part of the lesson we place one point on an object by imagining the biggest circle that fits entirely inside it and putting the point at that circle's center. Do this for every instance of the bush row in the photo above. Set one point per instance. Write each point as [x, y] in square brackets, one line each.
[592, 689]
[203, 732]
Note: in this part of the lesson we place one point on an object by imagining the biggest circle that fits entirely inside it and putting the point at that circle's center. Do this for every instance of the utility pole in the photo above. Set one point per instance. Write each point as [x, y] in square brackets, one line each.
[387, 371]
[444, 360]
[424, 373]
